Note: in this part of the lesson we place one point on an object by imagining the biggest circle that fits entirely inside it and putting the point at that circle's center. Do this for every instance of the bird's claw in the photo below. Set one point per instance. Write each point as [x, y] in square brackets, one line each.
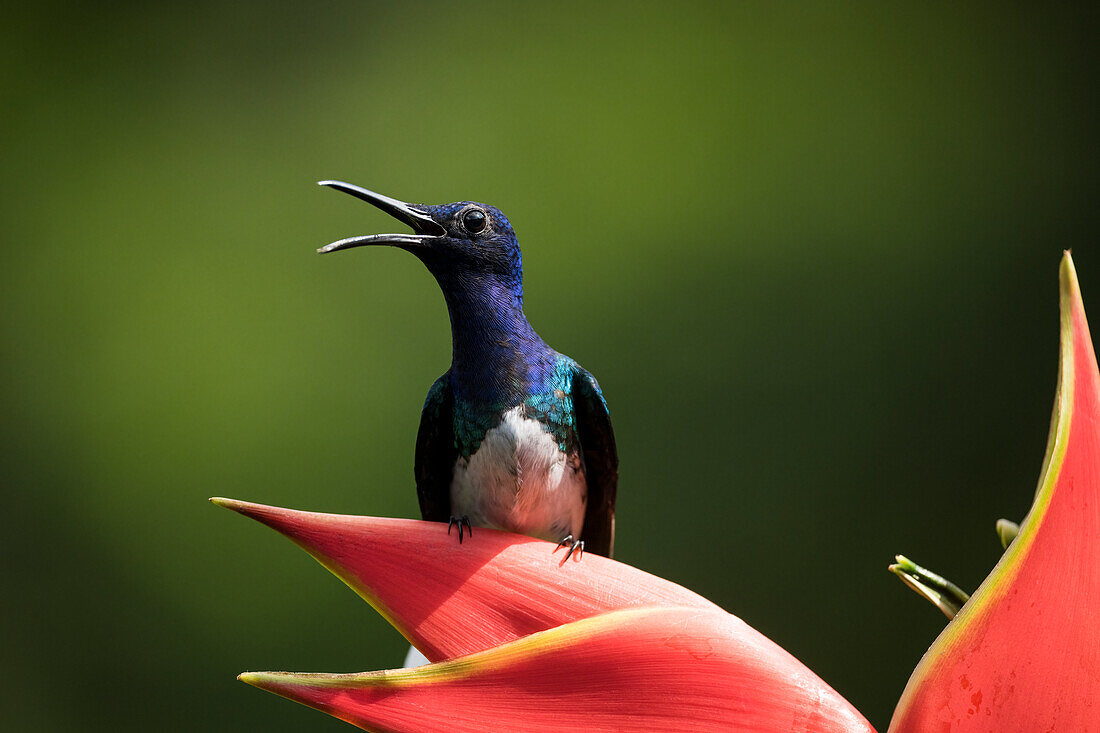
[574, 547]
[461, 522]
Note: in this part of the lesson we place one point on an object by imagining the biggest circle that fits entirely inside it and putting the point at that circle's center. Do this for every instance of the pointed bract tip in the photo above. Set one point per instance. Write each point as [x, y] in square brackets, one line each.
[1067, 277]
[263, 679]
[260, 512]
[234, 504]
[279, 682]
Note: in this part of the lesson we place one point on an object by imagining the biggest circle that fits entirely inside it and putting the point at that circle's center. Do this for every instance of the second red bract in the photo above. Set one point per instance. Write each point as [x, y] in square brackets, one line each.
[1023, 654]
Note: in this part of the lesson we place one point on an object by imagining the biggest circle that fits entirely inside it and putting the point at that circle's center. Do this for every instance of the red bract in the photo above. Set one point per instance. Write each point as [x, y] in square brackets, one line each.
[651, 669]
[451, 599]
[1023, 654]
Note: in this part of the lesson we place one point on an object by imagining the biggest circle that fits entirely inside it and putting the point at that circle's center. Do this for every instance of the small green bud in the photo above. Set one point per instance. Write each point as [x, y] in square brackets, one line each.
[936, 589]
[1007, 531]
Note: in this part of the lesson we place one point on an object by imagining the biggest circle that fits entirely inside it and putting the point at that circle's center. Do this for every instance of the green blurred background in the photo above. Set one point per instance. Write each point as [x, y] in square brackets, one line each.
[810, 251]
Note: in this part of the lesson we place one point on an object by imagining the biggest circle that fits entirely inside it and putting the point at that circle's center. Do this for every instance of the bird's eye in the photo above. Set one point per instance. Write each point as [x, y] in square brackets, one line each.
[474, 220]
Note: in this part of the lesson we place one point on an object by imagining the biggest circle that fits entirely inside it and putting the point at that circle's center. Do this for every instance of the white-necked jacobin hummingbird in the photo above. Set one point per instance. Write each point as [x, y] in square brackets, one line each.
[514, 436]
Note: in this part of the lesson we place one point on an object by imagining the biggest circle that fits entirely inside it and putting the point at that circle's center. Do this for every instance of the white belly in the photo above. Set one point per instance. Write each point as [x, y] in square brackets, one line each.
[521, 481]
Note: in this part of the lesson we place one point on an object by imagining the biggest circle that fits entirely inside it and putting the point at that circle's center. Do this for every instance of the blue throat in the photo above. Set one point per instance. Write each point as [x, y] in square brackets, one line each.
[497, 359]
[499, 362]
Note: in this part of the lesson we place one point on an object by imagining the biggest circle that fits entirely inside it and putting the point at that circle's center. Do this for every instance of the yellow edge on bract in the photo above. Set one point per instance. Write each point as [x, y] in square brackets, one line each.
[457, 669]
[1000, 578]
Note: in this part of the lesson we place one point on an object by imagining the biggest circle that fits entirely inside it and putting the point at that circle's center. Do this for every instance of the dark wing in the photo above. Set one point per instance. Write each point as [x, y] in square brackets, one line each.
[435, 452]
[601, 463]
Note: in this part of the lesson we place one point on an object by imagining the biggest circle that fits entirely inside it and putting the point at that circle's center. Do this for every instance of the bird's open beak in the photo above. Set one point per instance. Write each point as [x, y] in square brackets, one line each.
[425, 228]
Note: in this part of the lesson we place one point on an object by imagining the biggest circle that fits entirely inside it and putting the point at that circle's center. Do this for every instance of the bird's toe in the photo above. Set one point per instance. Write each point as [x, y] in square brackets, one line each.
[462, 523]
[575, 548]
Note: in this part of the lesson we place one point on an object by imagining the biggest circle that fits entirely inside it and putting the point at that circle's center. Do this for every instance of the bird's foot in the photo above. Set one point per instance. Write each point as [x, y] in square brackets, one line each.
[460, 522]
[576, 548]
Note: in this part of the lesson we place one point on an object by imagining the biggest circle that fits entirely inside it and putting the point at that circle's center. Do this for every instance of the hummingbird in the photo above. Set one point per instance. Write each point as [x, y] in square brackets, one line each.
[514, 436]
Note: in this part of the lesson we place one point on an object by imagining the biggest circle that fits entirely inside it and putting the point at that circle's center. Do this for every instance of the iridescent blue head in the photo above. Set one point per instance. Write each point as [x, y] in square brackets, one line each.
[467, 246]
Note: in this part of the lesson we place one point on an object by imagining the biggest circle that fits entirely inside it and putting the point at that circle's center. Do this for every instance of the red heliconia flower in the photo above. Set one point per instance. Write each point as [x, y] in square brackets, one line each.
[1023, 654]
[533, 644]
[521, 641]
